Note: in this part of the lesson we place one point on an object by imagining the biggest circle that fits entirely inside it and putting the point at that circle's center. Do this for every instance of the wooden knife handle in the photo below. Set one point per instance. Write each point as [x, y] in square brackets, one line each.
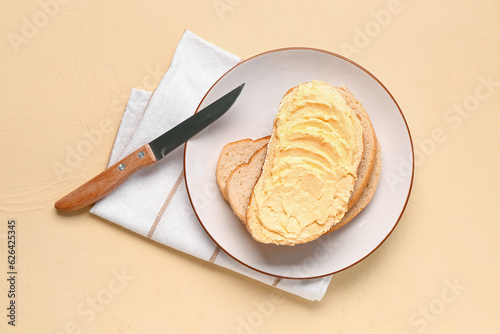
[101, 185]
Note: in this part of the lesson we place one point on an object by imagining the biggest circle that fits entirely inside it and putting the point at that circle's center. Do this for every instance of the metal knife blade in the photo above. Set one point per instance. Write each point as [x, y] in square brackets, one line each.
[149, 154]
[170, 140]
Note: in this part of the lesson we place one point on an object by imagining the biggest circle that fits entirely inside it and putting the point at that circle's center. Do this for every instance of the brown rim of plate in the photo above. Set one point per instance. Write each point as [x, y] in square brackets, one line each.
[372, 76]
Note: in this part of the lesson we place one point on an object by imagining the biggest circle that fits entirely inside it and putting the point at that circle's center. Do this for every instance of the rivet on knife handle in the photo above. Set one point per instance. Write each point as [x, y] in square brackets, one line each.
[101, 185]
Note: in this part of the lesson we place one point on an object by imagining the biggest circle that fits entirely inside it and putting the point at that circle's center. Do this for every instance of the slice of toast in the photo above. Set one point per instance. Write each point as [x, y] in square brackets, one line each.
[234, 154]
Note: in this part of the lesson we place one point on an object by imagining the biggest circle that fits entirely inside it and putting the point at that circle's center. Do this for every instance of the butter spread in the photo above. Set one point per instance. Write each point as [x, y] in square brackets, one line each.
[314, 160]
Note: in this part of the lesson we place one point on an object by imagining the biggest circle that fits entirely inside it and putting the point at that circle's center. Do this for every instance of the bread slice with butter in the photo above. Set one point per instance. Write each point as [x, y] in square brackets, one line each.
[310, 169]
[242, 180]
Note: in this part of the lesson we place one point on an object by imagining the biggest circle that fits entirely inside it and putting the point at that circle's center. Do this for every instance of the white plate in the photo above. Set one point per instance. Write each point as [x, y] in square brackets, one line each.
[267, 77]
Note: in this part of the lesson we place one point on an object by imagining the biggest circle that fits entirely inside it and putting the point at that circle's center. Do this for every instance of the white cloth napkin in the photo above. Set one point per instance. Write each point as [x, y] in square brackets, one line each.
[154, 202]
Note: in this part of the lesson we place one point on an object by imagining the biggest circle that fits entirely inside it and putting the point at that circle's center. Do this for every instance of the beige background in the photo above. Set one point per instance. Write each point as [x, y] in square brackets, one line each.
[73, 73]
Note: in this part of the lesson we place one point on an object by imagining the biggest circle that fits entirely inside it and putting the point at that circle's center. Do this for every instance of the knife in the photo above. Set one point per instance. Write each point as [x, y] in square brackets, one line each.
[148, 154]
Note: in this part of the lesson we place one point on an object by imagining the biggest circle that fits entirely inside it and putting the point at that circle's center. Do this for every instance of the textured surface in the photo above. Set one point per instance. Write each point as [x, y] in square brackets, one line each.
[63, 94]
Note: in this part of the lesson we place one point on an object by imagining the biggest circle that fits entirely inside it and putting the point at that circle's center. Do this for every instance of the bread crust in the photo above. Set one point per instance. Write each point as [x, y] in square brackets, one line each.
[369, 141]
[367, 194]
